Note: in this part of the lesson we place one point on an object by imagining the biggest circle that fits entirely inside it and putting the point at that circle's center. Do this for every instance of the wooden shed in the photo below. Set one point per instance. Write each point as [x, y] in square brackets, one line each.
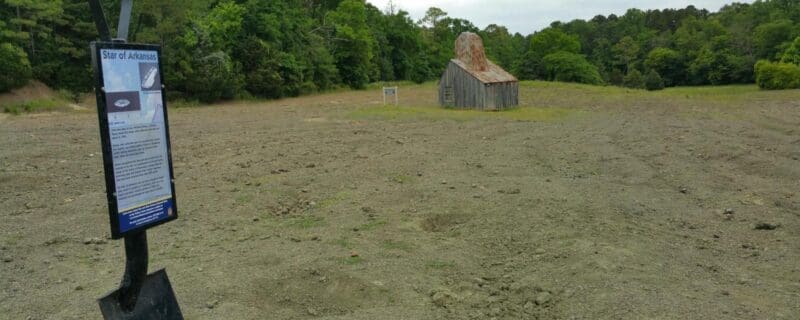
[471, 81]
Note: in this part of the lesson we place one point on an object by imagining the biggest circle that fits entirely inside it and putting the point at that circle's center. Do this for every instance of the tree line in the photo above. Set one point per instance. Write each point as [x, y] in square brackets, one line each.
[224, 49]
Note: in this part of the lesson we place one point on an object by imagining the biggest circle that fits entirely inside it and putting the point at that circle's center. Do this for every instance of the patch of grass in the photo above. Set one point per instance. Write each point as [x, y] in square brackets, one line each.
[69, 95]
[351, 260]
[372, 225]
[181, 103]
[397, 245]
[439, 265]
[337, 198]
[306, 222]
[38, 105]
[401, 178]
[437, 113]
[12, 239]
[344, 242]
[571, 95]
[244, 198]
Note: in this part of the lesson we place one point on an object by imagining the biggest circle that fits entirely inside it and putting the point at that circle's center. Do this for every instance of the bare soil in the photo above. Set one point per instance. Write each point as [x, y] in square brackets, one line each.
[586, 203]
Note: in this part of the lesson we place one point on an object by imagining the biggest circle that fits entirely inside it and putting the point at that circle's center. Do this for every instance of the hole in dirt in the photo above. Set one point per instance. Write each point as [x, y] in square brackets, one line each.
[321, 293]
[442, 222]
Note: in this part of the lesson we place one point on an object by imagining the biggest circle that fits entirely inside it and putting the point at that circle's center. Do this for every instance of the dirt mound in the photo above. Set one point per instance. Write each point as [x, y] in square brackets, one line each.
[34, 90]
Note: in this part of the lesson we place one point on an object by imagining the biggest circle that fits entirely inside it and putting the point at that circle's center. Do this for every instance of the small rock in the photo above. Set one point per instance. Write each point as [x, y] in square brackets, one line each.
[7, 259]
[729, 211]
[312, 312]
[212, 304]
[684, 190]
[444, 181]
[295, 239]
[89, 241]
[367, 210]
[529, 306]
[442, 298]
[542, 298]
[304, 190]
[78, 288]
[474, 185]
[311, 165]
[540, 251]
[419, 174]
[353, 254]
[316, 238]
[255, 219]
[767, 226]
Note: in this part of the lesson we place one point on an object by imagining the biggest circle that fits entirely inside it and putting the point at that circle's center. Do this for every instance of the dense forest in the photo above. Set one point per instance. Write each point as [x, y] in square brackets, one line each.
[224, 49]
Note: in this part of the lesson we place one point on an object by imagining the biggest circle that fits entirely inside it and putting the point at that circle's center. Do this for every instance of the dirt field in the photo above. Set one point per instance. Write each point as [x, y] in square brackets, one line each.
[587, 203]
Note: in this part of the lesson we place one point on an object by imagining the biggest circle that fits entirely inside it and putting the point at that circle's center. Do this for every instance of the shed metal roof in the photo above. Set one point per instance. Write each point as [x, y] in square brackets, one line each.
[492, 74]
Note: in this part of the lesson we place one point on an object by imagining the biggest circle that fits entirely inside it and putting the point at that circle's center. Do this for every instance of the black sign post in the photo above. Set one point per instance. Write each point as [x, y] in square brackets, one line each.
[134, 133]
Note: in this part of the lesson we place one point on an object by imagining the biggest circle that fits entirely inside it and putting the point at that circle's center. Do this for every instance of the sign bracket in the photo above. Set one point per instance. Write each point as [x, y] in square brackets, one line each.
[126, 7]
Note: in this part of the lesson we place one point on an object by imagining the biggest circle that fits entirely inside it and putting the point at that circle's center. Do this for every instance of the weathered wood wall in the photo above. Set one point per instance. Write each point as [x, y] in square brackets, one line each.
[460, 89]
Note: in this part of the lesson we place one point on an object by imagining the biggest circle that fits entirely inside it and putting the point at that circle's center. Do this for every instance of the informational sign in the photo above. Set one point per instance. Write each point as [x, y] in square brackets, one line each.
[390, 92]
[135, 136]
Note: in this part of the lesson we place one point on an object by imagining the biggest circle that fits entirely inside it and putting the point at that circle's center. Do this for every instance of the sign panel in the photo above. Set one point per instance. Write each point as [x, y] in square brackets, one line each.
[390, 92]
[134, 133]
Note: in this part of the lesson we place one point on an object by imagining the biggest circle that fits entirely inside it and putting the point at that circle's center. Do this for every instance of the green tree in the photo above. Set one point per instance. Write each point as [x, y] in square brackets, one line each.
[634, 80]
[668, 63]
[626, 51]
[223, 24]
[542, 44]
[214, 78]
[353, 44]
[777, 76]
[15, 69]
[653, 81]
[499, 45]
[552, 40]
[261, 66]
[792, 54]
[771, 38]
[571, 67]
[432, 17]
[31, 21]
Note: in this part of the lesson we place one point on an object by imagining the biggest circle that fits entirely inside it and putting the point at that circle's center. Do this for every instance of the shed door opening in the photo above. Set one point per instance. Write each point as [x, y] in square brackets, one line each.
[449, 97]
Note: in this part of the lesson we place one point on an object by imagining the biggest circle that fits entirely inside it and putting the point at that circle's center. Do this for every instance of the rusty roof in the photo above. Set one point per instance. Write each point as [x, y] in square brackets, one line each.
[492, 74]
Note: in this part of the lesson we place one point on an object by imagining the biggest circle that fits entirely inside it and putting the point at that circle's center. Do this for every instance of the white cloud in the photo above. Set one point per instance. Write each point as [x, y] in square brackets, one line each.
[526, 16]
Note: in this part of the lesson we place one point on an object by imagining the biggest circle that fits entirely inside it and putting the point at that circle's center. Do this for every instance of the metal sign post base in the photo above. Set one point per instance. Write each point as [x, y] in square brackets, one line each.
[156, 301]
[140, 295]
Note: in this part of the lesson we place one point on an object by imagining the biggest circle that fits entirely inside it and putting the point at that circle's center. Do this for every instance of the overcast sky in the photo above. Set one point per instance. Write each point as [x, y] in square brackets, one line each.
[526, 16]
